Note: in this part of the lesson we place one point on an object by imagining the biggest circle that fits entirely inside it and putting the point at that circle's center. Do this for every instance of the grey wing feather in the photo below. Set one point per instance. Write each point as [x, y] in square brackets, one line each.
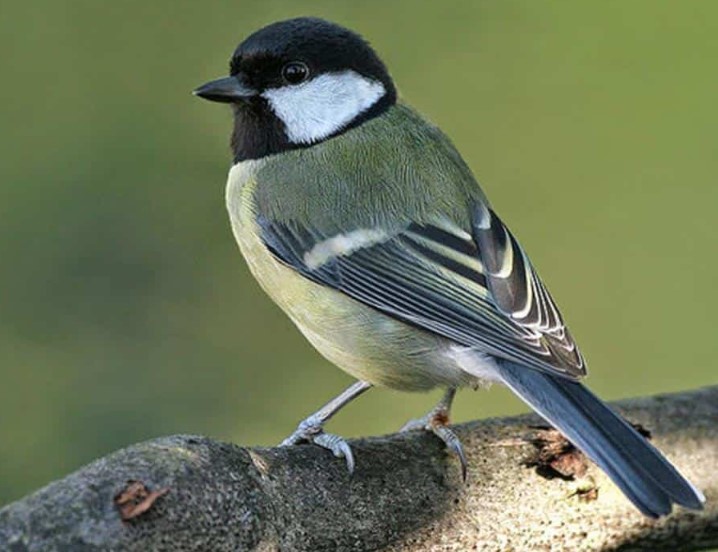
[444, 280]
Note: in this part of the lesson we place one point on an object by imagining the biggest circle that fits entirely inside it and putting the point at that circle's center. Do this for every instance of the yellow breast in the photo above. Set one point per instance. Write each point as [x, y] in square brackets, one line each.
[359, 339]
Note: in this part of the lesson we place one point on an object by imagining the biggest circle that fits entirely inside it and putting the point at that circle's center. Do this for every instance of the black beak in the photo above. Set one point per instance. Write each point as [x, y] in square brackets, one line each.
[226, 90]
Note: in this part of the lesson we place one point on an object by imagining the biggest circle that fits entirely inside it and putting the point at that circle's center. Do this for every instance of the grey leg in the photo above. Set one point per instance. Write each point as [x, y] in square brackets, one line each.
[311, 429]
[436, 421]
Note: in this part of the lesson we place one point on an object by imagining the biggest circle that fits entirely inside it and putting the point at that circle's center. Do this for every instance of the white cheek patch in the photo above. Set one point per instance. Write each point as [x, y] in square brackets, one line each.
[313, 110]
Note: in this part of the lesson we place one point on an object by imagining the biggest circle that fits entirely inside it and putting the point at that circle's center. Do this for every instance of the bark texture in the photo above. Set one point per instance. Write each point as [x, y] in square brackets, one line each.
[193, 493]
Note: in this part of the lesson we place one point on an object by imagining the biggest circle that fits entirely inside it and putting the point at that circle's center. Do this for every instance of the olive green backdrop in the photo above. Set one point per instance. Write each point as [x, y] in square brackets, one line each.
[126, 311]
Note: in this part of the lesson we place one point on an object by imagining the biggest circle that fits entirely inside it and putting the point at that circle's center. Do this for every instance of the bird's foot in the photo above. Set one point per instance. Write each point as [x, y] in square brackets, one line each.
[311, 430]
[437, 422]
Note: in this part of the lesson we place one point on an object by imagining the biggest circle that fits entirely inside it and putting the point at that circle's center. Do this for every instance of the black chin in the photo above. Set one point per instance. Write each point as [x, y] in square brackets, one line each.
[258, 132]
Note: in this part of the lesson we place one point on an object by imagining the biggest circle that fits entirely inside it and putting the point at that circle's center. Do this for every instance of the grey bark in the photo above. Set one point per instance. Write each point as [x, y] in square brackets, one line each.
[406, 494]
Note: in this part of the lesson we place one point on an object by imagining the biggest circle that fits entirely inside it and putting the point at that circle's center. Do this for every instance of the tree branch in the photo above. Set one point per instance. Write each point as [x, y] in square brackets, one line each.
[406, 494]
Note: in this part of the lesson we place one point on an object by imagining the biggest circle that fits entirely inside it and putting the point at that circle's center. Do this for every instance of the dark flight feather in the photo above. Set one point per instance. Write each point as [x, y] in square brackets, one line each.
[438, 280]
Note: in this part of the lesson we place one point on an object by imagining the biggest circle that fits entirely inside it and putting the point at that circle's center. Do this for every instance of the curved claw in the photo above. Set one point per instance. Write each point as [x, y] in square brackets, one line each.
[311, 428]
[452, 442]
[313, 433]
[339, 447]
[435, 422]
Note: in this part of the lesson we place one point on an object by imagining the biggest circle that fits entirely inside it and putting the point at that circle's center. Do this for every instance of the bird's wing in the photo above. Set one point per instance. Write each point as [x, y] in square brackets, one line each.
[476, 288]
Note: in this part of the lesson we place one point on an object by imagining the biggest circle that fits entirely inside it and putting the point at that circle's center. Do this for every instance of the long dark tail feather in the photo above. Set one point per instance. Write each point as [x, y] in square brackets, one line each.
[636, 466]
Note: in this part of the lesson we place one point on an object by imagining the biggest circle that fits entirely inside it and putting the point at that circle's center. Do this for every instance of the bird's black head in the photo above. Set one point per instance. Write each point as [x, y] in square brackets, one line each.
[298, 82]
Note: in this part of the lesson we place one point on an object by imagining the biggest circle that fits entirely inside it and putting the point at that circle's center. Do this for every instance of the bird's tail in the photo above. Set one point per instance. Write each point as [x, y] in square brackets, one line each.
[636, 466]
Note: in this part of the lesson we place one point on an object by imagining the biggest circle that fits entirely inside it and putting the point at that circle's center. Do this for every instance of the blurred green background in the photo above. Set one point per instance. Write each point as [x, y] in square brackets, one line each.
[126, 311]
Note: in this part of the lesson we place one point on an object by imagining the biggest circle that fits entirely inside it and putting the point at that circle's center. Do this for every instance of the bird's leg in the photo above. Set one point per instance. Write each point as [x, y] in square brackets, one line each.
[437, 421]
[311, 429]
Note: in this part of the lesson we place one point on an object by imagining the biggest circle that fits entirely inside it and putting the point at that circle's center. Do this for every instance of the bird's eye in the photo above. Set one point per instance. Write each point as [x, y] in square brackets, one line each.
[295, 72]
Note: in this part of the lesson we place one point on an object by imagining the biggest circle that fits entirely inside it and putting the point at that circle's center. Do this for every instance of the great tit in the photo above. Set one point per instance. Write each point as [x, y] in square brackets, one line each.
[363, 223]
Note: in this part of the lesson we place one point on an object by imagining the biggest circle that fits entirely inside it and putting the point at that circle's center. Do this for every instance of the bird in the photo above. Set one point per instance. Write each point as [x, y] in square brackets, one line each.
[363, 223]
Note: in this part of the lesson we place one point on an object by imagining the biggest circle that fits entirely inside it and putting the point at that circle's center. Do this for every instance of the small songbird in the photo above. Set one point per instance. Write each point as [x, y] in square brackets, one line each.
[363, 223]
